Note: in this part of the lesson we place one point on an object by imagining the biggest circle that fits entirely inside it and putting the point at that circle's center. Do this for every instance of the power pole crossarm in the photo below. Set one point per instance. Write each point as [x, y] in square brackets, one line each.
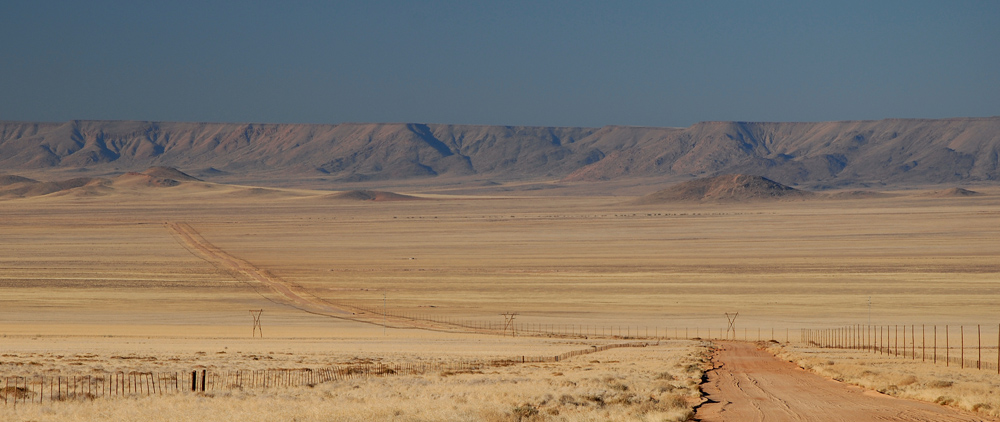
[255, 313]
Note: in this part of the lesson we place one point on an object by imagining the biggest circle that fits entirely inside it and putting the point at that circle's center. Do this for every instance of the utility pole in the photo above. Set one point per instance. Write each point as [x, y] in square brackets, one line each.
[508, 320]
[255, 313]
[732, 325]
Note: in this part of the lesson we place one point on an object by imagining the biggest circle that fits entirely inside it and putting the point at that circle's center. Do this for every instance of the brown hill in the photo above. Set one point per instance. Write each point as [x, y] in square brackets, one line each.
[144, 180]
[170, 173]
[816, 155]
[954, 193]
[368, 195]
[725, 188]
[156, 177]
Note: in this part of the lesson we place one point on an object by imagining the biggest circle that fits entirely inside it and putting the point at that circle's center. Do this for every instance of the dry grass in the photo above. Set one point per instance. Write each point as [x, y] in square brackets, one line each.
[88, 278]
[657, 383]
[583, 261]
[967, 389]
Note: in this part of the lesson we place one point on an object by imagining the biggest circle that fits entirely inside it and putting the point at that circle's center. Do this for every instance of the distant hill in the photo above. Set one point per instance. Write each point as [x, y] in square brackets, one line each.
[954, 193]
[170, 173]
[13, 186]
[155, 177]
[819, 155]
[725, 188]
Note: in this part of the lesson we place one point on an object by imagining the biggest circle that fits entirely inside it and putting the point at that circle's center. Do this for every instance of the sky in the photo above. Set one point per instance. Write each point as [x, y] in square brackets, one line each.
[536, 63]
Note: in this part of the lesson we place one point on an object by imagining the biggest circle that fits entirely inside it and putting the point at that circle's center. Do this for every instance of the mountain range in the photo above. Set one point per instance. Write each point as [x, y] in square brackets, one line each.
[892, 152]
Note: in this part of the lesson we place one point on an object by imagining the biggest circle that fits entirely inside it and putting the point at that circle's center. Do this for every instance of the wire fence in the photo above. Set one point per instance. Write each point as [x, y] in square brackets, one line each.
[47, 388]
[370, 311]
[963, 346]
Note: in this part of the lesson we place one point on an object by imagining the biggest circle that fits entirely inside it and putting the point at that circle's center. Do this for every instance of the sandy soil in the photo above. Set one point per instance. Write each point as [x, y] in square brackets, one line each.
[750, 384]
[88, 277]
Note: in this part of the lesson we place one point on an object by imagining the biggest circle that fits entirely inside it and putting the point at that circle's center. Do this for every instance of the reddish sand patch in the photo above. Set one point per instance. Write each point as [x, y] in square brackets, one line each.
[750, 384]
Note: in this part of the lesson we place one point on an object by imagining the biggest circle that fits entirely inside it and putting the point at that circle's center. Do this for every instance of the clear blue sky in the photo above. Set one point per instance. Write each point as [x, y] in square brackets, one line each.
[546, 63]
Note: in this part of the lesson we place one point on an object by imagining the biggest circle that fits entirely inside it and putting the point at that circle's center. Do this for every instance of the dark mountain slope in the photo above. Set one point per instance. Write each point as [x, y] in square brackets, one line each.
[817, 155]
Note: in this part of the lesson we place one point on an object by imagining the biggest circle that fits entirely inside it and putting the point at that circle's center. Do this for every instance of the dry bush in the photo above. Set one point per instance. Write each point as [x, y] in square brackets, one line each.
[940, 384]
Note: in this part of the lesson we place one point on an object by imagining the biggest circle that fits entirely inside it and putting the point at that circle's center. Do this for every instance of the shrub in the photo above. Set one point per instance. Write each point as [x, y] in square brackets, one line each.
[939, 384]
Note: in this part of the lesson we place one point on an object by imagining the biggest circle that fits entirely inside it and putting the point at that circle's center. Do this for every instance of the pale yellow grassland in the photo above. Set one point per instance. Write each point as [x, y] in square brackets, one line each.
[583, 261]
[655, 383]
[89, 278]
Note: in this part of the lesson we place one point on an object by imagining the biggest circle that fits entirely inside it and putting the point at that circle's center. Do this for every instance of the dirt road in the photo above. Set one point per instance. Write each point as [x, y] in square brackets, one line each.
[293, 295]
[195, 242]
[752, 385]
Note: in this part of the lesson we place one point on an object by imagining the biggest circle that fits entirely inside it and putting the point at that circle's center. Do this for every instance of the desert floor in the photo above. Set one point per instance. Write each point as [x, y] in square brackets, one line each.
[105, 273]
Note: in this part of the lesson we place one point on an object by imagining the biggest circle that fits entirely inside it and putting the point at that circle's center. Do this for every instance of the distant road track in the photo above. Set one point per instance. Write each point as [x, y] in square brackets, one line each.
[194, 241]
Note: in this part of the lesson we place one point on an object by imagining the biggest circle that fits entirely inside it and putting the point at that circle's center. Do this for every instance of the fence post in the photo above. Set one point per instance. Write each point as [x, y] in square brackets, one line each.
[947, 346]
[979, 337]
[961, 331]
[879, 344]
[935, 342]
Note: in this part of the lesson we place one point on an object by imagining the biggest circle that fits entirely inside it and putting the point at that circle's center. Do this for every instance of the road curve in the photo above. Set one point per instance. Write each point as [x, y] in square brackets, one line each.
[749, 384]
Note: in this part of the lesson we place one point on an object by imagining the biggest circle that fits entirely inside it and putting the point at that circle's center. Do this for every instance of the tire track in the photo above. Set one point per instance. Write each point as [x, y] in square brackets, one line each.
[749, 385]
[193, 241]
[196, 243]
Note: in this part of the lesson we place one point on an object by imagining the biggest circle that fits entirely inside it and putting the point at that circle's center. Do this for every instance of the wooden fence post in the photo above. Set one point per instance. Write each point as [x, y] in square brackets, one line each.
[904, 340]
[897, 340]
[880, 344]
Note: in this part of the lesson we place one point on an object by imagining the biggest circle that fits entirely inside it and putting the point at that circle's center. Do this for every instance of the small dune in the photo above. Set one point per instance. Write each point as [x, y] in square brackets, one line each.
[859, 194]
[13, 186]
[260, 193]
[725, 188]
[10, 179]
[370, 195]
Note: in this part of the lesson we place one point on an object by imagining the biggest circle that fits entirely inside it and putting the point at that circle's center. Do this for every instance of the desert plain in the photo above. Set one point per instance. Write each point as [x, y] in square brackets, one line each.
[131, 276]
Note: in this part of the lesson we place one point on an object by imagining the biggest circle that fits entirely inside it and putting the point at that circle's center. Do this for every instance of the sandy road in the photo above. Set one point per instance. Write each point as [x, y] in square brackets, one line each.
[752, 385]
[194, 241]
